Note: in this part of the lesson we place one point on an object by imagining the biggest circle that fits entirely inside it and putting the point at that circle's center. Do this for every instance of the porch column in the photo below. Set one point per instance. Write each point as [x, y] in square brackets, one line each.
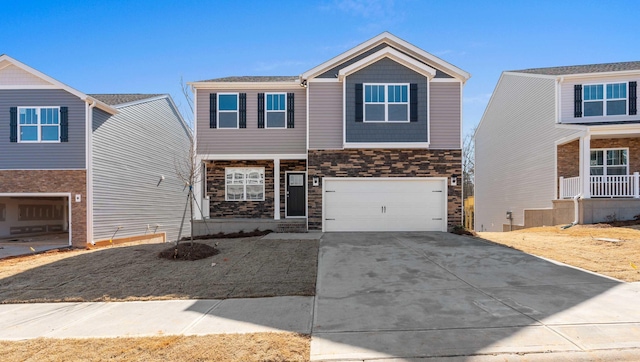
[276, 189]
[585, 169]
[200, 184]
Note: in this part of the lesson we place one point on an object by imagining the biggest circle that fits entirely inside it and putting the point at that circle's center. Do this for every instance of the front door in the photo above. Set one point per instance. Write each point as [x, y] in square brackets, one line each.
[296, 193]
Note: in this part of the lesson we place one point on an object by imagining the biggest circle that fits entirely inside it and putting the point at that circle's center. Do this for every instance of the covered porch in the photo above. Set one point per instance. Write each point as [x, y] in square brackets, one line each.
[251, 192]
[600, 165]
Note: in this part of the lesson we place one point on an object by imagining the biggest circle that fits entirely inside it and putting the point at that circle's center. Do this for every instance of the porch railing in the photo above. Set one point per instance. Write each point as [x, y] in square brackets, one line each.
[603, 186]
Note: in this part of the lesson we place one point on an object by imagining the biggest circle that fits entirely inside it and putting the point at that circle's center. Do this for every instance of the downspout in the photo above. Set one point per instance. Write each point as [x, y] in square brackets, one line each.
[89, 201]
[576, 212]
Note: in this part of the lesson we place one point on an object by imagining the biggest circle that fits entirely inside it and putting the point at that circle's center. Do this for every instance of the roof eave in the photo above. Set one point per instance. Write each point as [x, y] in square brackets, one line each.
[245, 85]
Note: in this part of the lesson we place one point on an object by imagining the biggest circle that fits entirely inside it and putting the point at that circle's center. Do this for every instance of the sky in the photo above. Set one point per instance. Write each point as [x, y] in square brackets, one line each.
[147, 46]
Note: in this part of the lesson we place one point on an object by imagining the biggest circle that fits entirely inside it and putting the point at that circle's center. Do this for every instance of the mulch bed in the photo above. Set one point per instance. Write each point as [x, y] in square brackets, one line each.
[188, 251]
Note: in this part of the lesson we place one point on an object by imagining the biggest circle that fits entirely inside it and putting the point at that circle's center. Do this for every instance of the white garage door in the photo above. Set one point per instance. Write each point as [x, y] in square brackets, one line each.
[385, 204]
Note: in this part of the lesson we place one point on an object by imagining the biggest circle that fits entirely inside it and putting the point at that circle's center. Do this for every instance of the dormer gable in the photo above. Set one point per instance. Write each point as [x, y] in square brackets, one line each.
[390, 46]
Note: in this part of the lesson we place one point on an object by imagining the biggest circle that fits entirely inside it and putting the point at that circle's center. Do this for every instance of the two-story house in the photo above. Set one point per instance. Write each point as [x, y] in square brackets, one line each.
[369, 140]
[90, 167]
[558, 145]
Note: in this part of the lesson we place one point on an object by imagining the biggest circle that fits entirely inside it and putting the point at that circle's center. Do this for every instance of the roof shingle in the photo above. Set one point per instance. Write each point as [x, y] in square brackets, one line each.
[115, 99]
[583, 69]
[252, 78]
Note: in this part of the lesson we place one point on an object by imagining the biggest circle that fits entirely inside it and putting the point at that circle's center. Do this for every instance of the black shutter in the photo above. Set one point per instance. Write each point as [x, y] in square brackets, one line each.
[13, 121]
[243, 110]
[359, 102]
[213, 110]
[290, 107]
[64, 124]
[633, 107]
[260, 110]
[413, 102]
[577, 100]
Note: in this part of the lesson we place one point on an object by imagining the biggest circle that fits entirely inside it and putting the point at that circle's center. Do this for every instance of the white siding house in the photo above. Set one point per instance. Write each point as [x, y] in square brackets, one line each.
[528, 139]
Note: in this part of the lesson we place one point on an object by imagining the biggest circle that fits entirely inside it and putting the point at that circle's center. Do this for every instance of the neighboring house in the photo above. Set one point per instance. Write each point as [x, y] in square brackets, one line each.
[550, 134]
[369, 140]
[96, 167]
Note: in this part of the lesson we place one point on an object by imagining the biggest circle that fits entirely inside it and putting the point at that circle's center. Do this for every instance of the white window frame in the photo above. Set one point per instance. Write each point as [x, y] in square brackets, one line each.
[246, 171]
[38, 125]
[604, 160]
[266, 111]
[237, 111]
[386, 102]
[605, 99]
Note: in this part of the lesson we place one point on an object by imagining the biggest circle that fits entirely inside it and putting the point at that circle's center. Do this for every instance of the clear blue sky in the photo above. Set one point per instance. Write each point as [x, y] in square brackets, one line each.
[146, 46]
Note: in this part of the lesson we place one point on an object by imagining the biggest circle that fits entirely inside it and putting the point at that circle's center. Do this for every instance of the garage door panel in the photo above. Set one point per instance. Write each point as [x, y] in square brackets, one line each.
[384, 204]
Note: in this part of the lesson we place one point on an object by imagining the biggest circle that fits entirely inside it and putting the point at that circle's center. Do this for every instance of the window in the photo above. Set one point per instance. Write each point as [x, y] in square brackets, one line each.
[228, 110]
[605, 99]
[609, 162]
[386, 103]
[276, 109]
[39, 124]
[244, 184]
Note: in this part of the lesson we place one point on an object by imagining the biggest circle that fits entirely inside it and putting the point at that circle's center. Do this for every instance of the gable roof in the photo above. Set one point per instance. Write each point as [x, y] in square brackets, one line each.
[51, 83]
[115, 99]
[583, 69]
[394, 42]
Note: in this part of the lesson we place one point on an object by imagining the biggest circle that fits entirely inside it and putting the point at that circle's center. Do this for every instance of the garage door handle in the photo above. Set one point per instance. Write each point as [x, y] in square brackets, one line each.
[436, 191]
[329, 219]
[330, 191]
[436, 218]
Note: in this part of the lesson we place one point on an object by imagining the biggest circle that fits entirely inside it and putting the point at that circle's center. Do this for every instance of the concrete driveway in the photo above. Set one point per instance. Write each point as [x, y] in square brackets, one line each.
[420, 295]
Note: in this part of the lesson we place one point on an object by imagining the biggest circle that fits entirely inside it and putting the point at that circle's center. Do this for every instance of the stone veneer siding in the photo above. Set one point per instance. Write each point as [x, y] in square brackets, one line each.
[49, 181]
[384, 163]
[216, 190]
[288, 165]
[569, 154]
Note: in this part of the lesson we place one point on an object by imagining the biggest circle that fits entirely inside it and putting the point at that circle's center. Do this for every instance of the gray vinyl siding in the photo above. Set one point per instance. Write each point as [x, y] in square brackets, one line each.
[252, 140]
[386, 71]
[131, 151]
[325, 116]
[332, 73]
[445, 114]
[31, 156]
[515, 151]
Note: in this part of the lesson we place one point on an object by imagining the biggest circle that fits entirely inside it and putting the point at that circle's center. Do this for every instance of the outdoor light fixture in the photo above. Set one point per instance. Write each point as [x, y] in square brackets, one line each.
[316, 181]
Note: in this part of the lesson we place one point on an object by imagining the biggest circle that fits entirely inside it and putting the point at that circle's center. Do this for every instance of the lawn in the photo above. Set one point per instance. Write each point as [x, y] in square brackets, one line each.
[601, 248]
[247, 267]
[224, 347]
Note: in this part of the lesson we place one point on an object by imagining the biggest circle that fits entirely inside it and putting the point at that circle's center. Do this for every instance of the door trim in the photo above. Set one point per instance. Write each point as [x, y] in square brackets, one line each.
[286, 199]
[444, 181]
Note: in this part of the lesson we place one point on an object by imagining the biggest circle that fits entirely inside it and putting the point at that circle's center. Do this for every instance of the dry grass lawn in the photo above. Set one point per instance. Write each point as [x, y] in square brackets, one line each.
[229, 347]
[248, 267]
[581, 246]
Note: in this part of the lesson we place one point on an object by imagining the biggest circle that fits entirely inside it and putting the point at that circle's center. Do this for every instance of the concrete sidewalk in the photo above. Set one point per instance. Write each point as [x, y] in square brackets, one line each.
[155, 318]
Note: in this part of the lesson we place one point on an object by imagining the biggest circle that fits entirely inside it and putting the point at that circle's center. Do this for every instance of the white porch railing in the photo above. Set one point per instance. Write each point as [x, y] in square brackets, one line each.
[603, 186]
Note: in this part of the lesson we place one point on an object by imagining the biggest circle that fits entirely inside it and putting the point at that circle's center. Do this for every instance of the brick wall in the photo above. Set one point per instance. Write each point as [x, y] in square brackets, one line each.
[569, 159]
[49, 181]
[569, 154]
[219, 208]
[384, 163]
